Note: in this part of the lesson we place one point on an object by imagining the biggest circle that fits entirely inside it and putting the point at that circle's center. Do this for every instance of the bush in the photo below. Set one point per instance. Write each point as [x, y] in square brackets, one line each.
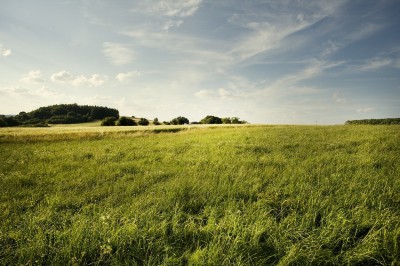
[143, 122]
[108, 121]
[124, 121]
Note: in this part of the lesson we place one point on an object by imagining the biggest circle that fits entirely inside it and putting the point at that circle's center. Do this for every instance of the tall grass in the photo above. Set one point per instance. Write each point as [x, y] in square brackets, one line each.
[280, 195]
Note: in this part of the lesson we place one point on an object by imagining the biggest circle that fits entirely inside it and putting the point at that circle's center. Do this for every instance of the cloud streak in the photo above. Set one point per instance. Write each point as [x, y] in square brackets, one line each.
[376, 63]
[176, 8]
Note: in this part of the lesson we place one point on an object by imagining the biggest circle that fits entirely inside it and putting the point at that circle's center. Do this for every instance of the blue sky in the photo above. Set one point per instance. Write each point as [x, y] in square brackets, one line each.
[275, 62]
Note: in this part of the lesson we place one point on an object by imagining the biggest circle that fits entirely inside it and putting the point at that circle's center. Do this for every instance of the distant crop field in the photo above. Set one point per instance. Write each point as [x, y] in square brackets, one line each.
[240, 195]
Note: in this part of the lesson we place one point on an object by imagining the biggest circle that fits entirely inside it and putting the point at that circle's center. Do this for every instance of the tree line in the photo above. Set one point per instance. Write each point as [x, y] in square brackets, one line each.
[383, 121]
[180, 120]
[59, 114]
[74, 113]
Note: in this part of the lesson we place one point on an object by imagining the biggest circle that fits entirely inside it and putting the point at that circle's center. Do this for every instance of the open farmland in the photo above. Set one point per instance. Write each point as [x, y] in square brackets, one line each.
[239, 195]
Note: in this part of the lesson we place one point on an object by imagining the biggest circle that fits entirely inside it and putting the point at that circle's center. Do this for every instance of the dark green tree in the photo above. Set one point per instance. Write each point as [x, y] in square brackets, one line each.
[180, 120]
[108, 121]
[210, 119]
[125, 121]
[143, 122]
[156, 122]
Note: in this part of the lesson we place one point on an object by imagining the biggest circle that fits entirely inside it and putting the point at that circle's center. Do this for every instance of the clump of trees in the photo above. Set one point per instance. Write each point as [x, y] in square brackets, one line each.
[384, 121]
[180, 120]
[210, 119]
[125, 121]
[122, 121]
[59, 114]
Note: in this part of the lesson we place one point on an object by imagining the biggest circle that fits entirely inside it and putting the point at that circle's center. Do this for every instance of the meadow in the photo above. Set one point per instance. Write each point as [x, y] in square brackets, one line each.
[237, 195]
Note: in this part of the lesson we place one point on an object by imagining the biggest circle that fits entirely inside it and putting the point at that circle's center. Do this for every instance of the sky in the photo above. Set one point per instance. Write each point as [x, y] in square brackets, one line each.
[264, 61]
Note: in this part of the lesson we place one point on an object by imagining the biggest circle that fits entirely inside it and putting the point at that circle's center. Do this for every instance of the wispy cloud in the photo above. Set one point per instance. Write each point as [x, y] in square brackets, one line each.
[220, 93]
[365, 110]
[42, 92]
[176, 8]
[268, 29]
[338, 97]
[67, 78]
[34, 76]
[118, 54]
[375, 63]
[287, 82]
[4, 52]
[127, 76]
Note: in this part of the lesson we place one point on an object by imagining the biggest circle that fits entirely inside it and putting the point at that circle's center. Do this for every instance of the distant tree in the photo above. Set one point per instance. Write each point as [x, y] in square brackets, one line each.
[236, 120]
[156, 122]
[143, 122]
[166, 123]
[210, 119]
[180, 120]
[226, 120]
[124, 121]
[108, 121]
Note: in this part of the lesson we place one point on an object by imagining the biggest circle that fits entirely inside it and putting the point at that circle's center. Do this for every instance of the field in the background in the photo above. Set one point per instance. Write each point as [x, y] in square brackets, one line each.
[250, 195]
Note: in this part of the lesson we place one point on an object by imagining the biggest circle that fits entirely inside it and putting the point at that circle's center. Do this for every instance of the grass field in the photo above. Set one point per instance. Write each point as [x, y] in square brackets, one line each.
[248, 195]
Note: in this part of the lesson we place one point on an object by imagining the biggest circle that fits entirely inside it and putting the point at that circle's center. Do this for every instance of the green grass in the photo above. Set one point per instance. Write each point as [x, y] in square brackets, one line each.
[249, 195]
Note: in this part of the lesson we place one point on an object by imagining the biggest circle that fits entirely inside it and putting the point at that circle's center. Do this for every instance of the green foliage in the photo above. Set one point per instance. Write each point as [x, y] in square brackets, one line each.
[108, 121]
[180, 120]
[210, 119]
[125, 121]
[246, 195]
[384, 121]
[143, 122]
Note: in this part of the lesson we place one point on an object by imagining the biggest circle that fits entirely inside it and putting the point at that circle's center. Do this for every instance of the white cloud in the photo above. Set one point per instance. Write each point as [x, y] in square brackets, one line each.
[67, 78]
[34, 76]
[376, 63]
[45, 91]
[127, 75]
[62, 77]
[119, 54]
[16, 90]
[203, 94]
[220, 93]
[365, 110]
[97, 80]
[172, 23]
[4, 52]
[176, 8]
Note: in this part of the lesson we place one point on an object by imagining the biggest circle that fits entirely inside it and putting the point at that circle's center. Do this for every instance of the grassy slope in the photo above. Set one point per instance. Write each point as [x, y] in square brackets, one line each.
[243, 195]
